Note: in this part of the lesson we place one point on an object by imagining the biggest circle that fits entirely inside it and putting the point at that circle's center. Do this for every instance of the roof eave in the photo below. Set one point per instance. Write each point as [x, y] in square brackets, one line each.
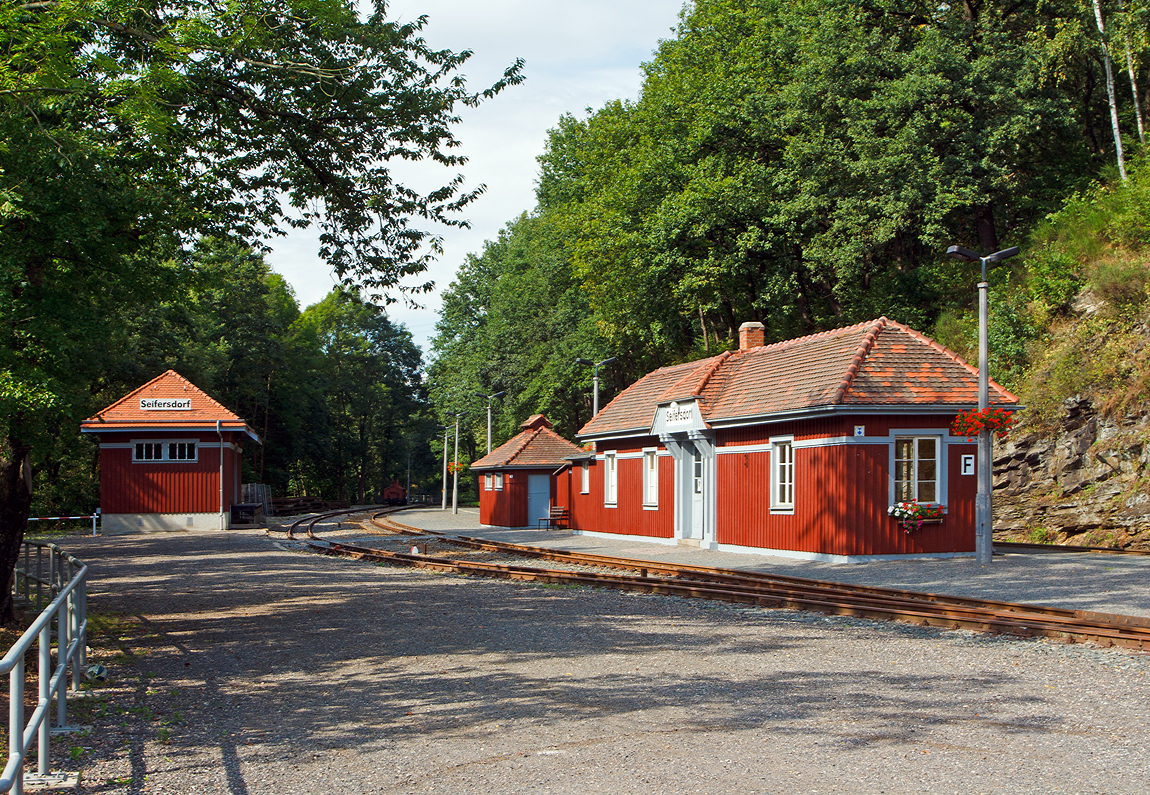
[492, 467]
[849, 408]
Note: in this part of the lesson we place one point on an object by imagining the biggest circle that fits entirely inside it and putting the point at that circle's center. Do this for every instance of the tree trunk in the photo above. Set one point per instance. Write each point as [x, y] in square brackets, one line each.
[15, 502]
[987, 232]
[1110, 91]
[1134, 91]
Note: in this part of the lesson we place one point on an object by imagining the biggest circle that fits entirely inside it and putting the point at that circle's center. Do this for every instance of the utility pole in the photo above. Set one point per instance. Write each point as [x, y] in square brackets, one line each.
[446, 430]
[455, 487]
[489, 397]
[595, 381]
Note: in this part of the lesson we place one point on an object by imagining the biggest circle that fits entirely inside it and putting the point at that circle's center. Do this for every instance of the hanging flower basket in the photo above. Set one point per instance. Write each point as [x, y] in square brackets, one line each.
[912, 516]
[971, 423]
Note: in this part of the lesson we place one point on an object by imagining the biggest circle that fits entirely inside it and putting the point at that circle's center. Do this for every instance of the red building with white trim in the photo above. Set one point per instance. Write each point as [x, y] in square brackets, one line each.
[797, 448]
[517, 483]
[170, 458]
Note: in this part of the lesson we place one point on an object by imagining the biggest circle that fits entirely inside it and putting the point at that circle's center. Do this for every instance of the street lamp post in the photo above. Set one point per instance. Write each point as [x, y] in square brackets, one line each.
[455, 482]
[595, 381]
[983, 513]
[489, 398]
[446, 431]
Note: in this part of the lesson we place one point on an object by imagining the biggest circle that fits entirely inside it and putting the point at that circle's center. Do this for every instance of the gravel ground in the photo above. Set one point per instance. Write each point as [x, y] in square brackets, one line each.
[240, 666]
[1100, 582]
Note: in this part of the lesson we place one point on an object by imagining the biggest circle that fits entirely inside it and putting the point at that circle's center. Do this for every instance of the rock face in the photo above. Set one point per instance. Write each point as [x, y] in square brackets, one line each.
[1086, 485]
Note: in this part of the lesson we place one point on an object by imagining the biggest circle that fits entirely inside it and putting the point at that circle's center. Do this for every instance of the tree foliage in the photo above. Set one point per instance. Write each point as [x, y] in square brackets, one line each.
[130, 129]
[802, 164]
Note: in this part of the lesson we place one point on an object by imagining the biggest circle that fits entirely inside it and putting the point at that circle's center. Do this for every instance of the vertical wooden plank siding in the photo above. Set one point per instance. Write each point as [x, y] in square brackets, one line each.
[486, 500]
[628, 516]
[164, 487]
[841, 492]
[515, 493]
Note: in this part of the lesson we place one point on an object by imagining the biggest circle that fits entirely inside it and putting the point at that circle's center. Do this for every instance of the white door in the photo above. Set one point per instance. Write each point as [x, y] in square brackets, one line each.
[696, 529]
[538, 498]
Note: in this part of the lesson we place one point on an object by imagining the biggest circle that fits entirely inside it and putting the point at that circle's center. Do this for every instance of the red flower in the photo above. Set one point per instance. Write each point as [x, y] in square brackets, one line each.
[971, 423]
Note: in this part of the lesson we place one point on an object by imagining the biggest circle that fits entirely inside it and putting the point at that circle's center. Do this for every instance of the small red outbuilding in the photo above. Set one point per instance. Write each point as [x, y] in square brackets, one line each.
[170, 458]
[517, 486]
[798, 448]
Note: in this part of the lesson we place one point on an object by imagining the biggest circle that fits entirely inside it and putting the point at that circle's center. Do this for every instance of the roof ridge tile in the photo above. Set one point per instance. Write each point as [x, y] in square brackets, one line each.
[863, 350]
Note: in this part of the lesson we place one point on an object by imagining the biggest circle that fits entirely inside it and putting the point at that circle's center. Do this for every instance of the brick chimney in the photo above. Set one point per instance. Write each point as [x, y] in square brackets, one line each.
[751, 335]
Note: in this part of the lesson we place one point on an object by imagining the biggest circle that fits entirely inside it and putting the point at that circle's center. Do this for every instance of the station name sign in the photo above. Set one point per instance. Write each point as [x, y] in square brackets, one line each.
[165, 404]
[679, 415]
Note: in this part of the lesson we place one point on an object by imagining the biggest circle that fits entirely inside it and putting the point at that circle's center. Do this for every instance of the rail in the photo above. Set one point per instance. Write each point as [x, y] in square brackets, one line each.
[63, 578]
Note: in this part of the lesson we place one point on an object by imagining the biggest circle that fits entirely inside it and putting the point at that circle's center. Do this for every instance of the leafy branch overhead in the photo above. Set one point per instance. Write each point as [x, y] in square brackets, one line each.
[238, 108]
[130, 131]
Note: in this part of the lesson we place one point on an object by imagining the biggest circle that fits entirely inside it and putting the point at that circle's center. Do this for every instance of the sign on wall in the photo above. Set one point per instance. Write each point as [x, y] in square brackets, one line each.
[677, 417]
[165, 404]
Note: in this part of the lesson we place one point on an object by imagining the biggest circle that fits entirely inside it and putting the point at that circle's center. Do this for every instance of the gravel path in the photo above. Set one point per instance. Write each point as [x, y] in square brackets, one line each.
[244, 667]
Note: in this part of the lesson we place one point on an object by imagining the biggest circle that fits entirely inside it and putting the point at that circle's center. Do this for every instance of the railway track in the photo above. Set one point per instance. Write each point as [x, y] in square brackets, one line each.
[746, 587]
[1019, 546]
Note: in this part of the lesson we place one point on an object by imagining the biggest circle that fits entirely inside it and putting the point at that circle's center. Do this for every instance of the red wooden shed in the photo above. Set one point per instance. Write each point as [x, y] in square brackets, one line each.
[797, 448]
[170, 458]
[517, 486]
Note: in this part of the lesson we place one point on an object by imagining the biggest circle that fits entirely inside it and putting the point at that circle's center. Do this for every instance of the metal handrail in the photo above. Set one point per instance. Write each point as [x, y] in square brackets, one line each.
[68, 612]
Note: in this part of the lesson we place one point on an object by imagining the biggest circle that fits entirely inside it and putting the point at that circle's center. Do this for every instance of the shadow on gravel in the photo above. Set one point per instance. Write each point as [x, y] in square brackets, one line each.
[304, 655]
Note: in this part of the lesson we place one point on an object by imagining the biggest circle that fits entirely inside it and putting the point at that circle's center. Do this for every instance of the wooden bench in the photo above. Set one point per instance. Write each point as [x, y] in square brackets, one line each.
[558, 517]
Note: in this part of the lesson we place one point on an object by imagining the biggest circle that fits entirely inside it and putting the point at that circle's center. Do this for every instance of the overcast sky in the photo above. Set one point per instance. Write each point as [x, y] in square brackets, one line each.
[579, 54]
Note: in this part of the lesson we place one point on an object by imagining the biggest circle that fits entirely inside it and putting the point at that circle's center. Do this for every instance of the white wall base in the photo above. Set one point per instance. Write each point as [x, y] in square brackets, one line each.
[823, 557]
[820, 557]
[114, 524]
[622, 537]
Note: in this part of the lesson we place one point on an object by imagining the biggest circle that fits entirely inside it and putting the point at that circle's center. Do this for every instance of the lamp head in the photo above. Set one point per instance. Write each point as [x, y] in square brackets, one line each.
[964, 254]
[1006, 253]
[606, 361]
[587, 362]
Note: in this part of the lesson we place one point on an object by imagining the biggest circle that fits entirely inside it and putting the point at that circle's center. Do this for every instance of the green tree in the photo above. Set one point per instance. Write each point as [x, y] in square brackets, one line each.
[514, 320]
[803, 164]
[362, 398]
[127, 129]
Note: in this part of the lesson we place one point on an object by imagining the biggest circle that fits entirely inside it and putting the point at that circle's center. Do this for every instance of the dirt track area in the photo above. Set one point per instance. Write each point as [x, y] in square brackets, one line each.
[241, 667]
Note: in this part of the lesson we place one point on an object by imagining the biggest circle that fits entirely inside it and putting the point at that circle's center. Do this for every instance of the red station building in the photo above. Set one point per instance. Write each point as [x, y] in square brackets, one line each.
[796, 448]
[518, 483]
[170, 459]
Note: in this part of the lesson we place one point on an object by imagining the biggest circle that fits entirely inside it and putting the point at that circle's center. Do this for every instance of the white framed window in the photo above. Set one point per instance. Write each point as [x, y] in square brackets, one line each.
[585, 484]
[783, 475]
[650, 478]
[497, 481]
[917, 469]
[167, 451]
[610, 480]
[487, 482]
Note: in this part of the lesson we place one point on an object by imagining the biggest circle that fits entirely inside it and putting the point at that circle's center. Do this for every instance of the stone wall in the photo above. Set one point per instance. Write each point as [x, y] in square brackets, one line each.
[1086, 484]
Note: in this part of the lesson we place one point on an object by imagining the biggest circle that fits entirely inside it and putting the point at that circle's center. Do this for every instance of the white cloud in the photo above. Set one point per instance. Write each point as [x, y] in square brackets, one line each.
[578, 54]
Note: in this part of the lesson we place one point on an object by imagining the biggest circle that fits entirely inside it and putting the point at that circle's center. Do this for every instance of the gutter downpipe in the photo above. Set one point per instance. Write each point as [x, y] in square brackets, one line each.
[220, 434]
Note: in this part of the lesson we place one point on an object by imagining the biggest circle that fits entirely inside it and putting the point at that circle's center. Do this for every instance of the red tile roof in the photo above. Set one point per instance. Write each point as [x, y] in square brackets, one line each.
[129, 411]
[537, 446]
[877, 363]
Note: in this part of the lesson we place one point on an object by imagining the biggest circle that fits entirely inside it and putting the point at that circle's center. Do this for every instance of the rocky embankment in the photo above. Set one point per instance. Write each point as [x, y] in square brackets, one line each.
[1086, 484]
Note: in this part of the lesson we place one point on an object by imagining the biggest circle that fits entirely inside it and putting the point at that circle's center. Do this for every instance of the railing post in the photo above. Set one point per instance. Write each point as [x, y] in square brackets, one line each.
[16, 720]
[73, 632]
[45, 674]
[62, 641]
[82, 600]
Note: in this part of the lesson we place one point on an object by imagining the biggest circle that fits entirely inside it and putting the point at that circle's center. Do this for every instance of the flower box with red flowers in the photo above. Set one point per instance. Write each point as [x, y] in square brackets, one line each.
[912, 516]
